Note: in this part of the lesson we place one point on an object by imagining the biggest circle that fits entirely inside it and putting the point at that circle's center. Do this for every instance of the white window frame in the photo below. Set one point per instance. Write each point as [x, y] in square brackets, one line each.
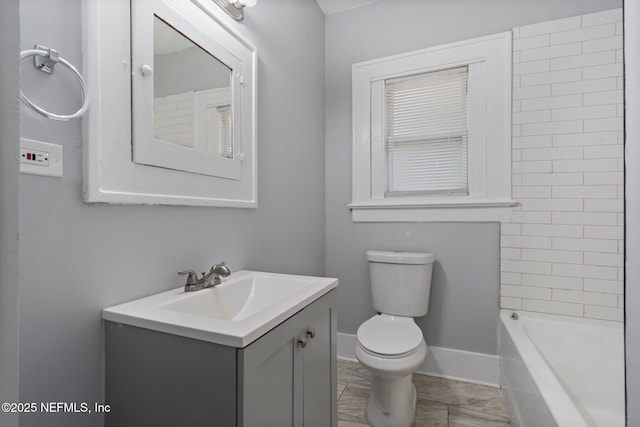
[206, 104]
[489, 197]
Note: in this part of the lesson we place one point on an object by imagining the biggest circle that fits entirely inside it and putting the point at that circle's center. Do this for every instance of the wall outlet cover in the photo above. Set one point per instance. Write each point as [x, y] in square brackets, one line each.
[40, 158]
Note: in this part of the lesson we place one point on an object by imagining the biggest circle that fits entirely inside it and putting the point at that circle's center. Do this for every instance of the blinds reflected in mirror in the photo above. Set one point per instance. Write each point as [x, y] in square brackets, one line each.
[225, 138]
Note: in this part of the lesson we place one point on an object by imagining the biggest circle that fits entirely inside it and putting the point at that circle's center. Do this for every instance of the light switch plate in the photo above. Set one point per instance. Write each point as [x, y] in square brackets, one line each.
[40, 158]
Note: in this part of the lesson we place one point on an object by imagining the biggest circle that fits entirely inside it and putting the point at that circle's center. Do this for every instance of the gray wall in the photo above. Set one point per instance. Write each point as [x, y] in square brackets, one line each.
[464, 303]
[632, 208]
[77, 259]
[187, 70]
[9, 49]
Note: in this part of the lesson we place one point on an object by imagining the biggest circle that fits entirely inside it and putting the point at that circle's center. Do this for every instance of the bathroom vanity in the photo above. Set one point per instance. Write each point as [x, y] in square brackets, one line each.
[180, 376]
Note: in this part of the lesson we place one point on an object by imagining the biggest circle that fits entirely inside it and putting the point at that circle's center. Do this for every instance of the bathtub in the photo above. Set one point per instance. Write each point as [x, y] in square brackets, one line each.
[562, 371]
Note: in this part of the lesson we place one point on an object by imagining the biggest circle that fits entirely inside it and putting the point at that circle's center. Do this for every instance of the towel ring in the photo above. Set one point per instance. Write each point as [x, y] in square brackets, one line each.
[51, 57]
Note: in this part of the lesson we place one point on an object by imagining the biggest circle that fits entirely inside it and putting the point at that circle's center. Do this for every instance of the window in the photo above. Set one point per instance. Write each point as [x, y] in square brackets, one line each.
[426, 133]
[213, 124]
[432, 134]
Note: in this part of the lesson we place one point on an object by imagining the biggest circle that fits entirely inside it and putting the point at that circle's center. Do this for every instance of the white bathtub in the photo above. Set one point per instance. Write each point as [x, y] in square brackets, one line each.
[562, 371]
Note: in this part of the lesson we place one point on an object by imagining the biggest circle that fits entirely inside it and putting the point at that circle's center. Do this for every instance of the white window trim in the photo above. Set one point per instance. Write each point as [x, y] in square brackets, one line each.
[203, 102]
[489, 198]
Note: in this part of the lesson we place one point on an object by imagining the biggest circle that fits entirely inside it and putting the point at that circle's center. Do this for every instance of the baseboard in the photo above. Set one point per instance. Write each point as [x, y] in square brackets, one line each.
[442, 362]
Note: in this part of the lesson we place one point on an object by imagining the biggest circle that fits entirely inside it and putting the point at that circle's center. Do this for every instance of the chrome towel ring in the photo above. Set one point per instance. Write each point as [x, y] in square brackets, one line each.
[44, 60]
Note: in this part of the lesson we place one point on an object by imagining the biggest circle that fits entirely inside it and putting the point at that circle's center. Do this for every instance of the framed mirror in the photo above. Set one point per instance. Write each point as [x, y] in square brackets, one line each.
[193, 123]
[173, 106]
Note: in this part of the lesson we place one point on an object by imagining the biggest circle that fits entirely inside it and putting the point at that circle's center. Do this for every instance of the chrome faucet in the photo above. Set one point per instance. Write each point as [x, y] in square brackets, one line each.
[212, 278]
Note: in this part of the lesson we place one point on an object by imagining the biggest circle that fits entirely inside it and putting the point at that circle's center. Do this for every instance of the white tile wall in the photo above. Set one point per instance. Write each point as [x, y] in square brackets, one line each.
[173, 118]
[563, 250]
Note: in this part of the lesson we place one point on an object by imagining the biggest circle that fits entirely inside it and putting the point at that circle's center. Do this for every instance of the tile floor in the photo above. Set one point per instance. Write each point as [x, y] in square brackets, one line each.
[441, 402]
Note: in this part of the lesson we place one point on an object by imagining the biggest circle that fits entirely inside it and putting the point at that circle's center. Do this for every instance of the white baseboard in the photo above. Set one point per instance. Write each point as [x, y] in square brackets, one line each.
[442, 362]
[346, 346]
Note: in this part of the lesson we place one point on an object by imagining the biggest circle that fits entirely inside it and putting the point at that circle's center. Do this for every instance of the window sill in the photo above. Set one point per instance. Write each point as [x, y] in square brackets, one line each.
[446, 211]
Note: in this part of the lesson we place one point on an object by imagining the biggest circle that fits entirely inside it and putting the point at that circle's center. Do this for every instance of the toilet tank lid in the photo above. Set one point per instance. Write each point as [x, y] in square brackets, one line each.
[400, 257]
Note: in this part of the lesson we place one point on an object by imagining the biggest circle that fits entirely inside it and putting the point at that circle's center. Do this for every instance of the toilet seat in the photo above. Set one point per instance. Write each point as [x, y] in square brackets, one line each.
[389, 336]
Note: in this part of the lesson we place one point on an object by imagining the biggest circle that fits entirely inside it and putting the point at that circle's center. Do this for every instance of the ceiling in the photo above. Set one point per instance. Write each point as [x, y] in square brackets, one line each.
[335, 6]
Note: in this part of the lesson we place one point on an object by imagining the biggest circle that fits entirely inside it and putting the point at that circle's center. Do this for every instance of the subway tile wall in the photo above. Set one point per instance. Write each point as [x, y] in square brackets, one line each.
[563, 250]
[173, 118]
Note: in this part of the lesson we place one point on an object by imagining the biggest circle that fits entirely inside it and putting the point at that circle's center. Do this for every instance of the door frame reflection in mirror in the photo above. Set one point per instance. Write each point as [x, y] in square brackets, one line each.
[110, 174]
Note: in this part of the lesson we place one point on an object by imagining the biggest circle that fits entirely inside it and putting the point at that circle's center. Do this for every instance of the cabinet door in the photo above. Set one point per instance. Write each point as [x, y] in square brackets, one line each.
[282, 383]
[318, 363]
[155, 379]
[269, 383]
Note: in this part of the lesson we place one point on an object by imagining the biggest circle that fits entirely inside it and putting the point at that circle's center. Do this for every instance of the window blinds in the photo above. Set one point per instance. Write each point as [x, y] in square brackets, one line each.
[426, 133]
[225, 136]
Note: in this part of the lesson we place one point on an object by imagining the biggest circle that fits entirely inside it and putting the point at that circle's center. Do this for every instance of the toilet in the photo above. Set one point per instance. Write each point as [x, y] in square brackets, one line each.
[390, 344]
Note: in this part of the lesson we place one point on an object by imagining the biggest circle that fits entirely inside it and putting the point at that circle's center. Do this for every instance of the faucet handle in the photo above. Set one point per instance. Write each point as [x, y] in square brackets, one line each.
[192, 277]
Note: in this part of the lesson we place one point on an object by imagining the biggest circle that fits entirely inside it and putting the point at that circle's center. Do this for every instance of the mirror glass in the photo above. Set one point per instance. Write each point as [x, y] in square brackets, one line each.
[192, 94]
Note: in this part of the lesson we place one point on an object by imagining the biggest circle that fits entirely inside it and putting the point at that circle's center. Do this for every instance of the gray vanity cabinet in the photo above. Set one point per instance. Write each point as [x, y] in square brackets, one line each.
[287, 377]
[158, 379]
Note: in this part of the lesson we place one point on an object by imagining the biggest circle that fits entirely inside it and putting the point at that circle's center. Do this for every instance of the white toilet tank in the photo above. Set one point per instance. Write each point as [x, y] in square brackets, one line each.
[400, 282]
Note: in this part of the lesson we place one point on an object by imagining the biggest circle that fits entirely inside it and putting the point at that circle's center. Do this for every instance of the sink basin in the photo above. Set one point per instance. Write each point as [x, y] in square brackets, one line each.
[239, 299]
[235, 313]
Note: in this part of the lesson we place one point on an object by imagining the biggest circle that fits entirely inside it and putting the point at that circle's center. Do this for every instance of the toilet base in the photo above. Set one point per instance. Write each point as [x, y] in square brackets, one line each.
[392, 401]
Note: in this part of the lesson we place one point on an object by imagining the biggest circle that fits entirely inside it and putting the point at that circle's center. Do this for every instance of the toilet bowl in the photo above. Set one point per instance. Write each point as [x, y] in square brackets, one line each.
[391, 348]
[390, 344]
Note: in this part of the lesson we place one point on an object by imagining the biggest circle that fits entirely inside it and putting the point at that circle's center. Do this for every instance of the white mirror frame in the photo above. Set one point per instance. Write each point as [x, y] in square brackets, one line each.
[110, 175]
[214, 40]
